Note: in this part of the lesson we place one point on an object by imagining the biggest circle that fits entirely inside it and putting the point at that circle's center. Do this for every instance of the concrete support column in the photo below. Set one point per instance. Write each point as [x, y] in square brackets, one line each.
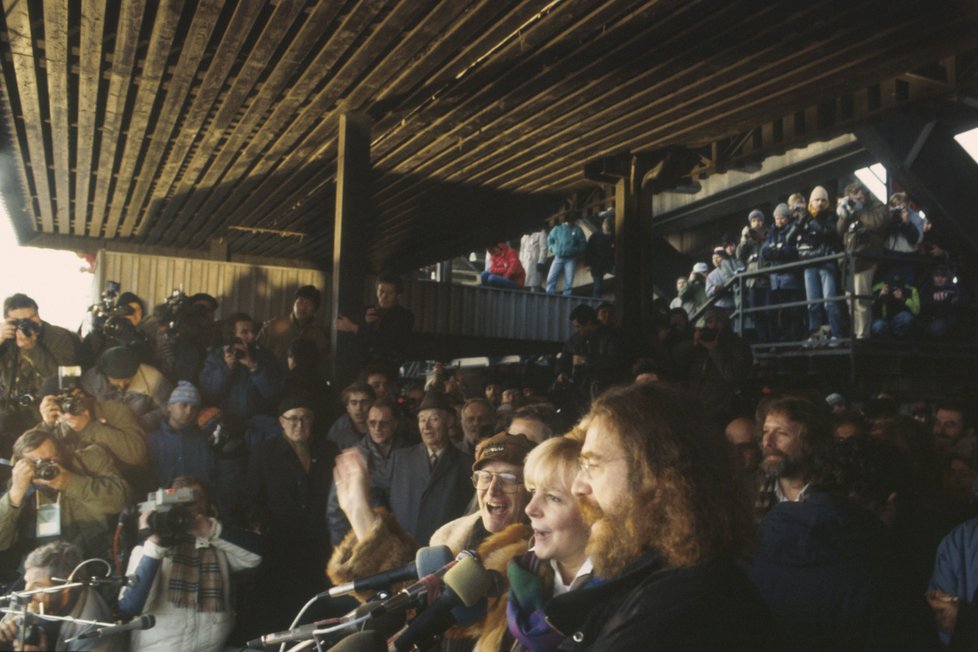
[349, 249]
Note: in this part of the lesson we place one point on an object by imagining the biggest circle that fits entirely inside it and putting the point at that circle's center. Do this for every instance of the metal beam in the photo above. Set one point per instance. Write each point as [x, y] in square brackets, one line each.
[923, 157]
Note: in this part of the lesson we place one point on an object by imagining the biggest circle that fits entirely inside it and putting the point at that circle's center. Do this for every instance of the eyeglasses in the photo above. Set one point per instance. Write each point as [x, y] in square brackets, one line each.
[587, 465]
[297, 420]
[509, 483]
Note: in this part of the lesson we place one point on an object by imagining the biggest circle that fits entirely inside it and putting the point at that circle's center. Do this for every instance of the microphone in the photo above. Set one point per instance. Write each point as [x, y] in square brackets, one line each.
[466, 584]
[428, 587]
[427, 560]
[146, 621]
[107, 580]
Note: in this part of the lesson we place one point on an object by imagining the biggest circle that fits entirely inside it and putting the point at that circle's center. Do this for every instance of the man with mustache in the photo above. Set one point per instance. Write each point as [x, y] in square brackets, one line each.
[657, 485]
[795, 430]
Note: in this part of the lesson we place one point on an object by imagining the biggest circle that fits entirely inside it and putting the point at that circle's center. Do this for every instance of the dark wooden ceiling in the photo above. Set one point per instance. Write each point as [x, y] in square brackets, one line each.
[173, 123]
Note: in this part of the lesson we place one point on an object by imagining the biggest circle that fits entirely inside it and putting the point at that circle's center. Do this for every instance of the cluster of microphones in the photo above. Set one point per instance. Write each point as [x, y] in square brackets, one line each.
[447, 591]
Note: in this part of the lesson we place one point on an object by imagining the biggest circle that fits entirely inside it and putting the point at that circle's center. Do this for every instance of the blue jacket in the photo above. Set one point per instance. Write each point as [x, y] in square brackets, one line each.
[779, 249]
[566, 240]
[238, 392]
[956, 565]
[174, 453]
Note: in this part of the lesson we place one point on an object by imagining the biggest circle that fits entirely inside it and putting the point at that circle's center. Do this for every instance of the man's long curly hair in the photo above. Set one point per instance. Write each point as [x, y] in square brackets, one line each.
[691, 506]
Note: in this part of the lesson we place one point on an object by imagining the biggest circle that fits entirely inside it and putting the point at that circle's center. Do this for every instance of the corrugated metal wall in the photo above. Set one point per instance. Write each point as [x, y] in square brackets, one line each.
[262, 291]
[266, 291]
[443, 308]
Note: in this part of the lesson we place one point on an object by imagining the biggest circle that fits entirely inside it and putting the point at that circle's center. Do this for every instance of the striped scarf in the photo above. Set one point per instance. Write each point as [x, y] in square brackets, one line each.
[195, 579]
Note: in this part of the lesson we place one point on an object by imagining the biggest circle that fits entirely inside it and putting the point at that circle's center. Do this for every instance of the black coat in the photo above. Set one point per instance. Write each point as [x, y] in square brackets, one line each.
[290, 507]
[651, 606]
[826, 570]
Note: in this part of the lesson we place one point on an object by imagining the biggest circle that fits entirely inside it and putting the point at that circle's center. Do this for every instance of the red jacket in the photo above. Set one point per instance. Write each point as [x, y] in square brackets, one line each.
[505, 261]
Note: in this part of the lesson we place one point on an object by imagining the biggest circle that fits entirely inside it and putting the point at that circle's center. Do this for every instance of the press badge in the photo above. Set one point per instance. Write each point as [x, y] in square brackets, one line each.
[48, 518]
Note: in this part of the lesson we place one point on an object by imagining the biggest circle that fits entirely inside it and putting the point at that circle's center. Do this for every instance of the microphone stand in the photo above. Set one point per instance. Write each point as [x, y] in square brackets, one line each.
[22, 599]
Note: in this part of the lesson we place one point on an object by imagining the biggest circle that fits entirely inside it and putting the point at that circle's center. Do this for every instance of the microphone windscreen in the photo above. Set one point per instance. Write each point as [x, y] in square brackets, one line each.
[431, 558]
[367, 641]
[469, 580]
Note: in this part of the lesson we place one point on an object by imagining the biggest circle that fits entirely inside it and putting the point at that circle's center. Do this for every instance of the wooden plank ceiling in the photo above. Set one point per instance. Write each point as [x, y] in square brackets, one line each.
[173, 123]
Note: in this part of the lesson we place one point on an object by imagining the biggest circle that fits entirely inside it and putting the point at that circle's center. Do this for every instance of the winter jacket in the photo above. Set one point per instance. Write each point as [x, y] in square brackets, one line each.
[653, 606]
[25, 371]
[826, 570]
[566, 240]
[778, 249]
[183, 628]
[817, 236]
[176, 453]
[239, 392]
[147, 394]
[504, 261]
[89, 506]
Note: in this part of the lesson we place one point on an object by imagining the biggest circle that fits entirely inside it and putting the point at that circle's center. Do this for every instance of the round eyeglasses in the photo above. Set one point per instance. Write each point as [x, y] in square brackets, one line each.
[507, 482]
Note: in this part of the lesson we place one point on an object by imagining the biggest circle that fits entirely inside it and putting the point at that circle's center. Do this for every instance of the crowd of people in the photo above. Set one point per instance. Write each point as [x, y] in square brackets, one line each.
[655, 499]
[898, 279]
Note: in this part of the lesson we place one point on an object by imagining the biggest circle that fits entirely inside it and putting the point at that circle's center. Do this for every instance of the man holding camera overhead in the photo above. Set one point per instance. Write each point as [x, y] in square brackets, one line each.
[59, 494]
[30, 351]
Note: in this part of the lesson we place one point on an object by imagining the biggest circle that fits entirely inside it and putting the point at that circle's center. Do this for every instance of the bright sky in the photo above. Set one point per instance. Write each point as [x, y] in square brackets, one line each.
[52, 278]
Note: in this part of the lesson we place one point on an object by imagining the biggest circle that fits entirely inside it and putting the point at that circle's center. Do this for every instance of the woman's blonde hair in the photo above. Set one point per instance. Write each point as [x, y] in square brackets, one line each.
[552, 464]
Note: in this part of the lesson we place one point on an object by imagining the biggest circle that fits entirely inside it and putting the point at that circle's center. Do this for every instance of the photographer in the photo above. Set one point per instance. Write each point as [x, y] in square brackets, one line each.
[903, 235]
[185, 576]
[77, 420]
[816, 238]
[82, 603]
[758, 287]
[60, 494]
[119, 376]
[719, 363]
[786, 287]
[241, 377]
[180, 329]
[862, 219]
[896, 305]
[117, 320]
[30, 351]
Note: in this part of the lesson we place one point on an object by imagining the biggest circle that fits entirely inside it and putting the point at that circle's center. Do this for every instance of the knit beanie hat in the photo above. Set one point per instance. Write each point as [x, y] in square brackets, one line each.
[185, 392]
[782, 210]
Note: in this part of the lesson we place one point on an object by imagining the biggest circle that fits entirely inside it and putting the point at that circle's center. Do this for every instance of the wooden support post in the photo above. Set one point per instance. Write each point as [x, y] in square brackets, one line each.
[633, 247]
[352, 204]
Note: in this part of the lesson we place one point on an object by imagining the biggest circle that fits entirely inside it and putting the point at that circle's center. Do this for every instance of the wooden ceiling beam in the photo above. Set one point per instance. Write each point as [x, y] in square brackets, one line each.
[56, 71]
[741, 102]
[195, 116]
[525, 102]
[114, 116]
[149, 79]
[269, 114]
[20, 34]
[323, 138]
[174, 219]
[90, 52]
[206, 15]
